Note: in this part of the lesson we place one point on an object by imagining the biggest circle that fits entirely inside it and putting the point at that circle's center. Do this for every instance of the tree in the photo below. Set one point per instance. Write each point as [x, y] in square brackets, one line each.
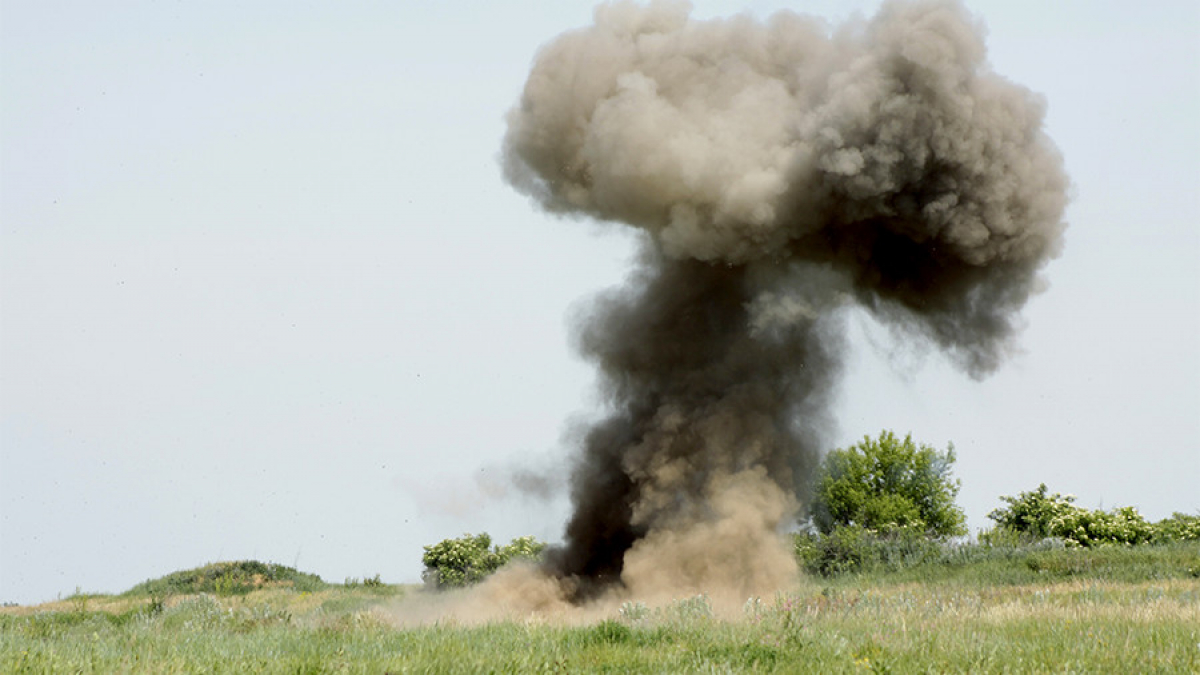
[888, 485]
[470, 558]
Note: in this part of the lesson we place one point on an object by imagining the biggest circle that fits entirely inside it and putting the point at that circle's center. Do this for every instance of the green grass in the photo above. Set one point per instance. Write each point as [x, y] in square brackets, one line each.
[228, 578]
[925, 560]
[1120, 610]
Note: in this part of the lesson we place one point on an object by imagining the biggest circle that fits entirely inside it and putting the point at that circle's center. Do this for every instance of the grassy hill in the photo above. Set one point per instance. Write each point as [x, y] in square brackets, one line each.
[228, 578]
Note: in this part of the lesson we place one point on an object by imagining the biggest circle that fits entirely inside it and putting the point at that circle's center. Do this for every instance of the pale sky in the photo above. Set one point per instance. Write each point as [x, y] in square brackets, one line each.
[264, 294]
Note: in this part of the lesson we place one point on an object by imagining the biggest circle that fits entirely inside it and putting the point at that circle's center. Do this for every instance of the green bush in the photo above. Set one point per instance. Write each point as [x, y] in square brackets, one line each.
[840, 551]
[469, 559]
[521, 547]
[1083, 527]
[1036, 514]
[227, 578]
[1032, 513]
[887, 484]
[1179, 527]
[856, 549]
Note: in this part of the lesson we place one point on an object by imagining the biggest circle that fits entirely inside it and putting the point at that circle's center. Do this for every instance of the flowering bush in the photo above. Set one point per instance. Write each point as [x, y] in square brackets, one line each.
[1036, 514]
[521, 547]
[1082, 527]
[1032, 512]
[470, 558]
[1179, 527]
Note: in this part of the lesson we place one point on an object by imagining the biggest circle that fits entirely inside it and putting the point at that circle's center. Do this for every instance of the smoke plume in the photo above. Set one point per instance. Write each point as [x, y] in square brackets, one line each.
[780, 171]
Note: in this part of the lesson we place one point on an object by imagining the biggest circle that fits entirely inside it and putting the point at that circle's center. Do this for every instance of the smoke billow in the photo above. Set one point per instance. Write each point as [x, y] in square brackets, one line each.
[780, 170]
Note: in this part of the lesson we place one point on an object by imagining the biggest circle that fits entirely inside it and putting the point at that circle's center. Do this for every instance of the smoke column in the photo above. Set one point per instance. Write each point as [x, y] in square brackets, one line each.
[780, 170]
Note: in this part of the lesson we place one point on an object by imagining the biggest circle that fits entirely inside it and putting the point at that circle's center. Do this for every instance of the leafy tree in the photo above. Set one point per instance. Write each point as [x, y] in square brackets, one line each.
[888, 485]
[470, 558]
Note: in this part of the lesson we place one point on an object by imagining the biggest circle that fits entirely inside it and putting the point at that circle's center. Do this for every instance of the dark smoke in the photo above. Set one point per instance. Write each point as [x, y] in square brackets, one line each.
[780, 172]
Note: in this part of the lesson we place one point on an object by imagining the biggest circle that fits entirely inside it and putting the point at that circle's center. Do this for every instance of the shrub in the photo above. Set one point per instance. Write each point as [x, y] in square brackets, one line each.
[1083, 527]
[1031, 513]
[470, 558]
[855, 549]
[522, 547]
[1036, 515]
[1179, 527]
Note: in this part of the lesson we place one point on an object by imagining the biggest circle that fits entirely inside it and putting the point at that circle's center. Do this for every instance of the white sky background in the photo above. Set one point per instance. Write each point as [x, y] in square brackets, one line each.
[263, 293]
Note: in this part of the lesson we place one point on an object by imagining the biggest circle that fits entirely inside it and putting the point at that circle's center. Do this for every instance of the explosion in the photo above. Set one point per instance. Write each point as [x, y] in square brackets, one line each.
[779, 171]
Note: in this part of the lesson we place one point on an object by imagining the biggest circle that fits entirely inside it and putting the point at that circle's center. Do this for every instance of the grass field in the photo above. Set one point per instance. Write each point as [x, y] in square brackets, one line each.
[1105, 610]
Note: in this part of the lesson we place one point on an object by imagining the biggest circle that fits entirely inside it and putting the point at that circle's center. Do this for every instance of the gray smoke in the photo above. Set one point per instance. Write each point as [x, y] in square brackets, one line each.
[781, 171]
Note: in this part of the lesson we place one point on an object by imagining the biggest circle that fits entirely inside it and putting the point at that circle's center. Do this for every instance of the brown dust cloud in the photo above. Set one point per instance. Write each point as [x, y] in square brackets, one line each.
[780, 171]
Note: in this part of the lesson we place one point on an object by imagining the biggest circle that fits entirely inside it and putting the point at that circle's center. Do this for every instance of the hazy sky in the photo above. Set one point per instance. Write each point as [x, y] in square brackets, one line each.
[264, 294]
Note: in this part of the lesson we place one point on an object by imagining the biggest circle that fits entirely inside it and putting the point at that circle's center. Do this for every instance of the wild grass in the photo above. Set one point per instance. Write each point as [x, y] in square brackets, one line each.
[228, 578]
[1132, 610]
